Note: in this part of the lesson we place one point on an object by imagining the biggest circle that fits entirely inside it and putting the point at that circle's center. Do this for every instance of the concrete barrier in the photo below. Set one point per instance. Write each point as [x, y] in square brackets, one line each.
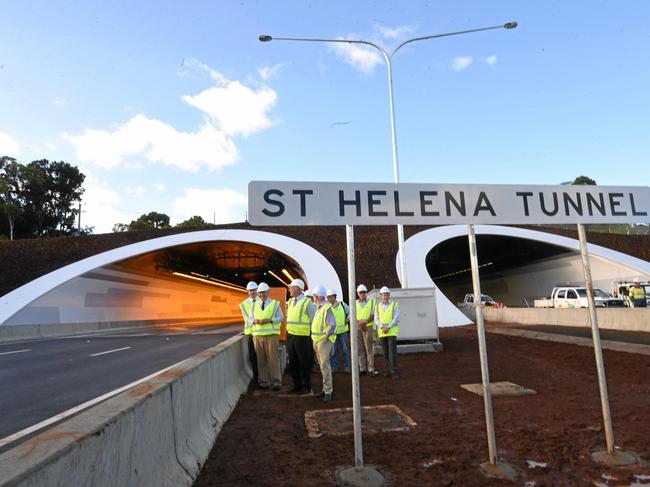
[14, 333]
[624, 319]
[158, 433]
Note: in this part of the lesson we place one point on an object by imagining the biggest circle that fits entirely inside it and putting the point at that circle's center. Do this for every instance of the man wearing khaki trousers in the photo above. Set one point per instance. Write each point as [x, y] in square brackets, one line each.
[267, 321]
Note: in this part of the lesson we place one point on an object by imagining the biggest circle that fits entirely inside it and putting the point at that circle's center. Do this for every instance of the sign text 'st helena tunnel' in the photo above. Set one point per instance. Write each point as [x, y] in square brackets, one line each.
[313, 203]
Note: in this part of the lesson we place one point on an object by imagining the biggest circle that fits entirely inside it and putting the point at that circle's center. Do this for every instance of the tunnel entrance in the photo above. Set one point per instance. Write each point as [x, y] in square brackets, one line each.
[513, 270]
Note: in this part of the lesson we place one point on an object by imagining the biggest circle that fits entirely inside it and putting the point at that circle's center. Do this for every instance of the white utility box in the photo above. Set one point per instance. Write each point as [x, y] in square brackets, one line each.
[418, 318]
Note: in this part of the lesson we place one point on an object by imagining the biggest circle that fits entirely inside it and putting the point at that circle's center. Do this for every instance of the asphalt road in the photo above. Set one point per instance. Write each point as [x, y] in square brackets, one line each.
[41, 379]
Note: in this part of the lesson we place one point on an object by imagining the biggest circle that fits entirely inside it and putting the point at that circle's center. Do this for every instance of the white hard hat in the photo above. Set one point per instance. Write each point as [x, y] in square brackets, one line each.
[361, 288]
[331, 292]
[308, 293]
[383, 290]
[263, 287]
[298, 283]
[251, 286]
[636, 280]
[320, 291]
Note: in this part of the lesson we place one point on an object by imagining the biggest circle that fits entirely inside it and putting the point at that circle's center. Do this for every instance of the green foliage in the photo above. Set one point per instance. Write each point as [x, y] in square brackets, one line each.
[195, 221]
[582, 180]
[150, 221]
[39, 198]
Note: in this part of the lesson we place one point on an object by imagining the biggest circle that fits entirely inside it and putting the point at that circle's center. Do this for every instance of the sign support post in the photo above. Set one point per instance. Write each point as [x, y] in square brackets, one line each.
[610, 456]
[354, 338]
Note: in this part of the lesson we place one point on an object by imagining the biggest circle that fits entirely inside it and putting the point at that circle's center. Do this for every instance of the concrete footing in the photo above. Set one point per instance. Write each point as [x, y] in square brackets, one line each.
[617, 459]
[359, 477]
[501, 470]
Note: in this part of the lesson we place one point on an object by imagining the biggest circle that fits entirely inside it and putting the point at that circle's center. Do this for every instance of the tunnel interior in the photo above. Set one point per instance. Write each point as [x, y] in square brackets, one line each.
[513, 270]
[230, 263]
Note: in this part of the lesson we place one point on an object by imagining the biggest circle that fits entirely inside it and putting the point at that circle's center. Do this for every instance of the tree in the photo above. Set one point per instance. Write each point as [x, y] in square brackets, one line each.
[582, 180]
[120, 227]
[195, 221]
[10, 191]
[151, 221]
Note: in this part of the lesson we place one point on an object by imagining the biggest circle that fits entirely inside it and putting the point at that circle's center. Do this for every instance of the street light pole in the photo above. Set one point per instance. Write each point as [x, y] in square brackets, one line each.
[389, 58]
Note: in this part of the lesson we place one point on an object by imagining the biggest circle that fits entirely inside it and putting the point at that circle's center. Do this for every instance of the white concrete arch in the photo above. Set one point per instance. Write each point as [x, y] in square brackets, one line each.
[317, 268]
[418, 246]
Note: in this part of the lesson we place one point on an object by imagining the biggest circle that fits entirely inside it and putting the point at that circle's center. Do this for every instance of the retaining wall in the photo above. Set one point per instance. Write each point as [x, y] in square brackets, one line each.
[158, 433]
[627, 319]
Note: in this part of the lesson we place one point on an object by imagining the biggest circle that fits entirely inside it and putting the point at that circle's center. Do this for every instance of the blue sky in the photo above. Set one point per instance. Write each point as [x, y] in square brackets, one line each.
[175, 106]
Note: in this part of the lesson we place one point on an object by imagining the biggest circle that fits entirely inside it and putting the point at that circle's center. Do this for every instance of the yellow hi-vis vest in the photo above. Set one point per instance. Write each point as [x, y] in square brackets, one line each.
[319, 326]
[637, 292]
[365, 312]
[265, 314]
[385, 318]
[339, 316]
[245, 307]
[298, 322]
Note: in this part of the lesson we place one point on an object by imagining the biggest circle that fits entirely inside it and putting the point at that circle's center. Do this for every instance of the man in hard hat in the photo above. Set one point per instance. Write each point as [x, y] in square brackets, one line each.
[388, 328]
[366, 327]
[300, 313]
[341, 346]
[246, 306]
[637, 294]
[267, 320]
[323, 335]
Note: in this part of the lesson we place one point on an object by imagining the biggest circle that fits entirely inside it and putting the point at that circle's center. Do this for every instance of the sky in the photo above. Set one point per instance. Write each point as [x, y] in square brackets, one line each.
[175, 106]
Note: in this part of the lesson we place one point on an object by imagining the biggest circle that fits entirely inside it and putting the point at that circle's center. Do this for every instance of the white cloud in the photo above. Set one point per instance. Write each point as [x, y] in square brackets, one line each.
[98, 206]
[220, 205]
[136, 191]
[232, 109]
[461, 62]
[58, 101]
[490, 60]
[8, 146]
[268, 72]
[360, 57]
[235, 108]
[157, 142]
[160, 187]
[394, 32]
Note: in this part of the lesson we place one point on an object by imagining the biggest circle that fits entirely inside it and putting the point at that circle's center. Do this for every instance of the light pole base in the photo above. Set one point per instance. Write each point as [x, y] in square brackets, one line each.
[501, 470]
[359, 477]
[619, 458]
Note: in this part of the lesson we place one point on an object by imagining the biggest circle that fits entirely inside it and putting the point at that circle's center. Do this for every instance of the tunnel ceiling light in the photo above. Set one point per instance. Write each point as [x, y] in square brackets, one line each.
[208, 281]
[286, 273]
[461, 272]
[278, 278]
[214, 279]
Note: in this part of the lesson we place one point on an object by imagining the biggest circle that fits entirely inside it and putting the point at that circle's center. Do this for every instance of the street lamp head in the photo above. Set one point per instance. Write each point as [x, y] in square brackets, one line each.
[265, 38]
[509, 25]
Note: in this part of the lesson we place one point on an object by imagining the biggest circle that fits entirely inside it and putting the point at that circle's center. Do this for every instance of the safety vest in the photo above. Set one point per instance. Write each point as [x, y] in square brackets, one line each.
[265, 314]
[319, 326]
[339, 315]
[637, 292]
[385, 318]
[298, 322]
[363, 313]
[245, 307]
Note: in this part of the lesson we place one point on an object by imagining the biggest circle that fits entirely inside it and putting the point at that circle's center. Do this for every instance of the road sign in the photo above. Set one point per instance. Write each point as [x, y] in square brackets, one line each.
[328, 203]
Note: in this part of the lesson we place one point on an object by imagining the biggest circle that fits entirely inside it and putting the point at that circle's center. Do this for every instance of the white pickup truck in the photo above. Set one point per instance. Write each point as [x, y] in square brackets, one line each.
[468, 302]
[576, 297]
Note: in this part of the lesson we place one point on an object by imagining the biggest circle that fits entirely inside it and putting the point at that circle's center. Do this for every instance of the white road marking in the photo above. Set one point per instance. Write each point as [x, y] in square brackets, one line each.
[109, 351]
[80, 407]
[16, 351]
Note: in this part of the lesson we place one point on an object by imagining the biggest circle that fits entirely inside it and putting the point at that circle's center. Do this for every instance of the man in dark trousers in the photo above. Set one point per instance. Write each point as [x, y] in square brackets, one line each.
[300, 313]
[245, 306]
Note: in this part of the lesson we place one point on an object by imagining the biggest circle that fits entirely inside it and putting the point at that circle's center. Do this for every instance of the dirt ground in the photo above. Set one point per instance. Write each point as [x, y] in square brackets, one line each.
[265, 441]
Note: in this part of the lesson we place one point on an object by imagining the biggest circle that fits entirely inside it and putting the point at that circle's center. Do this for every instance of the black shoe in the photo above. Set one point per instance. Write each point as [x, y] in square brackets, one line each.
[328, 397]
[320, 394]
[276, 388]
[295, 390]
[263, 388]
[306, 390]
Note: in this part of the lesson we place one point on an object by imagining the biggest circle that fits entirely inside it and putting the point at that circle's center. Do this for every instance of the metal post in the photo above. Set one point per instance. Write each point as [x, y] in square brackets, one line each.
[595, 333]
[354, 338]
[480, 330]
[393, 131]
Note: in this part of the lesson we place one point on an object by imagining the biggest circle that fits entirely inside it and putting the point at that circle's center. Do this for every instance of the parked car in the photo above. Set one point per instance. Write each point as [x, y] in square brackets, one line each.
[486, 300]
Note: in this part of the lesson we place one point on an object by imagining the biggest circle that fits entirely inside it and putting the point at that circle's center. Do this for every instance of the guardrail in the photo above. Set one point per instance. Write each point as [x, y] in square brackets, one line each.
[157, 433]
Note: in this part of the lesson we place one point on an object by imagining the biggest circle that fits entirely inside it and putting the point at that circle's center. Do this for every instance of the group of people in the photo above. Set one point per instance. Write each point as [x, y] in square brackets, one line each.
[317, 328]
